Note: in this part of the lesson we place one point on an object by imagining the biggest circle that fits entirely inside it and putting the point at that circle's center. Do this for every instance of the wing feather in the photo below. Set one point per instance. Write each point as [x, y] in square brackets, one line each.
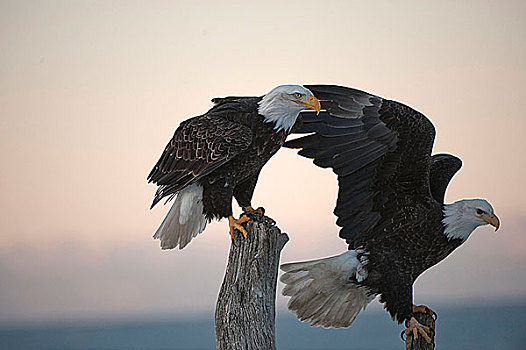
[379, 149]
[199, 146]
[443, 168]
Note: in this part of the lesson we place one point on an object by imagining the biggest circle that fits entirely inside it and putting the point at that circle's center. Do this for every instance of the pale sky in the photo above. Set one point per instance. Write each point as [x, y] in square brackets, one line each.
[91, 91]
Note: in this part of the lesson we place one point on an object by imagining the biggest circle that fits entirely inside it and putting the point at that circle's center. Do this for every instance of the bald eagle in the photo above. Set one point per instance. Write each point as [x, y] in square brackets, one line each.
[390, 208]
[219, 155]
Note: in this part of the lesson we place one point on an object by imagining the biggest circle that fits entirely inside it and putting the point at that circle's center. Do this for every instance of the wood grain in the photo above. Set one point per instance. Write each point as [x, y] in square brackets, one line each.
[245, 310]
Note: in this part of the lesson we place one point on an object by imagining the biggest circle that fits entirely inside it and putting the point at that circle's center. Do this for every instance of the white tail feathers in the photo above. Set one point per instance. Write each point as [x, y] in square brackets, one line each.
[322, 292]
[184, 220]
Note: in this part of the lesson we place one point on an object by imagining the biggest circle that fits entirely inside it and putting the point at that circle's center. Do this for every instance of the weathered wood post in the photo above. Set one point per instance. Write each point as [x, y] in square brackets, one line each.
[246, 304]
[420, 343]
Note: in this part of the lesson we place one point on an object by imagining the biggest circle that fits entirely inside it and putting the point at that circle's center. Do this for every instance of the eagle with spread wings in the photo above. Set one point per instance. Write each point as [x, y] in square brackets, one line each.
[390, 208]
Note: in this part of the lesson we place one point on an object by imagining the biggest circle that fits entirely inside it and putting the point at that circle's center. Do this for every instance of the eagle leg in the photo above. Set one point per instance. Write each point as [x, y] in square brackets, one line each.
[425, 310]
[414, 327]
[234, 225]
[261, 212]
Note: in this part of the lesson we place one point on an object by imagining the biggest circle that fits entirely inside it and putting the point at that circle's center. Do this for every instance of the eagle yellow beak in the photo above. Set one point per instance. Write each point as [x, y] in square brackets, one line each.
[493, 220]
[312, 103]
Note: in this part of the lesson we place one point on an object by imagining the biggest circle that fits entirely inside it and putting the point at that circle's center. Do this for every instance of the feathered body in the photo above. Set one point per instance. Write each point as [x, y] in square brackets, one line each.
[234, 128]
[222, 153]
[390, 205]
[405, 237]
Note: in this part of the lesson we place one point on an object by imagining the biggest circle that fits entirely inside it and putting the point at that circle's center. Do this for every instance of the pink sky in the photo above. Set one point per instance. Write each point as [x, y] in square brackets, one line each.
[90, 92]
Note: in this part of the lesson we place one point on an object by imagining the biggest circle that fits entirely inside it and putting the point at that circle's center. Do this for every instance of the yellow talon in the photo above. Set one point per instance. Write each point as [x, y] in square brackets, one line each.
[261, 212]
[234, 225]
[415, 328]
[269, 220]
[425, 310]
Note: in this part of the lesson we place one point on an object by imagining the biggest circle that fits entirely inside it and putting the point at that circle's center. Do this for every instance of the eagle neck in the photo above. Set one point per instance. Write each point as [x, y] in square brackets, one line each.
[279, 112]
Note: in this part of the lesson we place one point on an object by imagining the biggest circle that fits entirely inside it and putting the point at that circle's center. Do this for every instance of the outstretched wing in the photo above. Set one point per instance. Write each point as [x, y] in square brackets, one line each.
[379, 149]
[199, 146]
[443, 167]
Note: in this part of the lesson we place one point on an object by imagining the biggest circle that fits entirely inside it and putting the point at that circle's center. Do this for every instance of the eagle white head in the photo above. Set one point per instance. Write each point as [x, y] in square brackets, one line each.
[463, 217]
[283, 104]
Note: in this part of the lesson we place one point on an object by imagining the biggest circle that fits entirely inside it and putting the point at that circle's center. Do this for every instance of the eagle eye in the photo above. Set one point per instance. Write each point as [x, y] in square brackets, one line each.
[480, 212]
[298, 95]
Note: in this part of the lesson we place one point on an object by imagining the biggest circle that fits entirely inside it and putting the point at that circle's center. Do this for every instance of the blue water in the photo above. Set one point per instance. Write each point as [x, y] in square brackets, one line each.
[481, 328]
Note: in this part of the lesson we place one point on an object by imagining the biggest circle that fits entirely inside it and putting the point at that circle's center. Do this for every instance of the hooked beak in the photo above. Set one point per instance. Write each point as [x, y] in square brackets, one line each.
[493, 220]
[313, 104]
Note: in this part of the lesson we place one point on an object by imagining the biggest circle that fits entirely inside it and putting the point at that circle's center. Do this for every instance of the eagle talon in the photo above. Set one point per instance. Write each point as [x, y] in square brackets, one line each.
[269, 220]
[261, 212]
[416, 328]
[425, 309]
[234, 225]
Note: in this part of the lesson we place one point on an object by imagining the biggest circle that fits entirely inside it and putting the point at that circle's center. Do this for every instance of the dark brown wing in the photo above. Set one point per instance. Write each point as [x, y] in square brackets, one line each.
[379, 149]
[443, 167]
[199, 146]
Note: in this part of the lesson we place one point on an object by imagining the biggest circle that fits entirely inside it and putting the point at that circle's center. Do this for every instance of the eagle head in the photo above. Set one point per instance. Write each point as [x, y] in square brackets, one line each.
[283, 104]
[464, 216]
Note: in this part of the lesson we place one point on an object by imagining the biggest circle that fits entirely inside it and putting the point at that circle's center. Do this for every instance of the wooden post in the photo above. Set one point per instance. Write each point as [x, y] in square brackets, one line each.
[245, 310]
[420, 343]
